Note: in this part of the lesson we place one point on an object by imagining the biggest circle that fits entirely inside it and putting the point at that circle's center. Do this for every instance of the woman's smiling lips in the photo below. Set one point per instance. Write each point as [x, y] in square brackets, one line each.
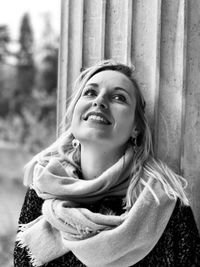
[98, 117]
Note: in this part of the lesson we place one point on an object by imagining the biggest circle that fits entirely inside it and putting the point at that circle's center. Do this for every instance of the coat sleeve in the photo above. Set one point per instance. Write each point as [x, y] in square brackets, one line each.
[31, 209]
[187, 240]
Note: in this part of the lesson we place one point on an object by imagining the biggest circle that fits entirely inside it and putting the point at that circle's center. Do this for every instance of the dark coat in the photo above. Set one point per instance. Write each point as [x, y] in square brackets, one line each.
[179, 245]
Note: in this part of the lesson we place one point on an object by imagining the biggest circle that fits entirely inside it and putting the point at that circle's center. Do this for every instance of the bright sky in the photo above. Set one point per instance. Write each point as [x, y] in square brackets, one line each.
[11, 12]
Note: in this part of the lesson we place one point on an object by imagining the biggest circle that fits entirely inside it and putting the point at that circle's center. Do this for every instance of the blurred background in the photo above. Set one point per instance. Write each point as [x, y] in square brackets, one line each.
[29, 40]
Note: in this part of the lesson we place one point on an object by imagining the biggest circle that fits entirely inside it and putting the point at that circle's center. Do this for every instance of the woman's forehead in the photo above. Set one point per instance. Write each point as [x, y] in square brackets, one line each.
[112, 78]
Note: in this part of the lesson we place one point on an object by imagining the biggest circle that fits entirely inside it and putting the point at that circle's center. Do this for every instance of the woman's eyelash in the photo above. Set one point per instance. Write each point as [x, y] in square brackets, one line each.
[92, 92]
[120, 97]
[89, 92]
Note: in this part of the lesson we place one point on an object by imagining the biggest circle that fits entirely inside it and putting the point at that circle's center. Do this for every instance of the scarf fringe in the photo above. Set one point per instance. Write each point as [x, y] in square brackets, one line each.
[22, 227]
[22, 244]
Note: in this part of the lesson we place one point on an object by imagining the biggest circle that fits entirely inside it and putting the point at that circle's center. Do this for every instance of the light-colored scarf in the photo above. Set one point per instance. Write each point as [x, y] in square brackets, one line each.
[97, 240]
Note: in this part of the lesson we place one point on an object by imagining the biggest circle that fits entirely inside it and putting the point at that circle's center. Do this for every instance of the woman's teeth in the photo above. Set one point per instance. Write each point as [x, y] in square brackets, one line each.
[97, 118]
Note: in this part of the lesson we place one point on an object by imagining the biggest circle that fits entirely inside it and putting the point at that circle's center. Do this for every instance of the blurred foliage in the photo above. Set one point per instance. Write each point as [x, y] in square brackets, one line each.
[27, 113]
[26, 41]
[28, 91]
[4, 34]
[6, 250]
[4, 39]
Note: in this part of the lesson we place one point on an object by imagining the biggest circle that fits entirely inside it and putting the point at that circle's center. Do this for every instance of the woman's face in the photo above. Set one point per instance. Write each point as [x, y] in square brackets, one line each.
[104, 113]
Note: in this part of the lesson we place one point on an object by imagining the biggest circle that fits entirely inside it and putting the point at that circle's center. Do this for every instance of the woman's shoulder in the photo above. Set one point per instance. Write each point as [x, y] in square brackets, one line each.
[183, 224]
[179, 244]
[31, 208]
[183, 216]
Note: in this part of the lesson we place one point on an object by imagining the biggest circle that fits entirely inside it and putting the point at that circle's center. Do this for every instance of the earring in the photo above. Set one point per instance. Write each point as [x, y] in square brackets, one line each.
[75, 143]
[133, 141]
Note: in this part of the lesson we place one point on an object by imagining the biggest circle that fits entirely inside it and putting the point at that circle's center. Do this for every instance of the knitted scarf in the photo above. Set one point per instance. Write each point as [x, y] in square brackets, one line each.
[97, 240]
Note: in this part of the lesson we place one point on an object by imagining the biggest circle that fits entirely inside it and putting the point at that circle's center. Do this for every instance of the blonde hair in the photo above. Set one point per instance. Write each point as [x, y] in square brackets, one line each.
[144, 163]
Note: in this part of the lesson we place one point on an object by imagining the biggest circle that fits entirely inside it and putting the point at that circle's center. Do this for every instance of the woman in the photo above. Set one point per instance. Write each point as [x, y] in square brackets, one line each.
[98, 196]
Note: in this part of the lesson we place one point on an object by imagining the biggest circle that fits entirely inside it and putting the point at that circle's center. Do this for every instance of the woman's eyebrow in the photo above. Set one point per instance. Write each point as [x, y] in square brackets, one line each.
[122, 89]
[92, 84]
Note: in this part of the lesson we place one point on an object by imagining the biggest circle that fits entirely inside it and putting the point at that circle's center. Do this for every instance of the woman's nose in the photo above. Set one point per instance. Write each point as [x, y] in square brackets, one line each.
[100, 102]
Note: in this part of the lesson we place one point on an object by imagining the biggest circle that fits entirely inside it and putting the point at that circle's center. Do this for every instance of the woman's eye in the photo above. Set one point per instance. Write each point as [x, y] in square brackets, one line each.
[89, 92]
[120, 98]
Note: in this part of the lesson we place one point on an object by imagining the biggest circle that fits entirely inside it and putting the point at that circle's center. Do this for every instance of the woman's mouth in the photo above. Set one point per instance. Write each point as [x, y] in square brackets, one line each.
[97, 117]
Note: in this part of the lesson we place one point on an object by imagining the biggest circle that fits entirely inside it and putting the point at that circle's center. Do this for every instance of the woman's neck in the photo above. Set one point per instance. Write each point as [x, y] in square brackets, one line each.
[94, 161]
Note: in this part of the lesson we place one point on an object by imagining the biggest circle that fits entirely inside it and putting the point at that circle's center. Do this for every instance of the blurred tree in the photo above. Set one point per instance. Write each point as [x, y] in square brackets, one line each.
[48, 72]
[6, 72]
[23, 98]
[4, 40]
[50, 65]
[49, 82]
[44, 94]
[26, 41]
[42, 116]
[50, 57]
[31, 98]
[25, 68]
[7, 86]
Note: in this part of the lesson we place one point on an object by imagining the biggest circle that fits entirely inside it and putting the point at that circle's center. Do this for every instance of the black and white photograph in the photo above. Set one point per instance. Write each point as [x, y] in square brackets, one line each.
[100, 133]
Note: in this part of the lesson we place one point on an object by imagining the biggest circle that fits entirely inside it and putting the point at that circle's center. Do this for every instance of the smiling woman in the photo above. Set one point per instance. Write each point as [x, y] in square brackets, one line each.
[98, 196]
[106, 107]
